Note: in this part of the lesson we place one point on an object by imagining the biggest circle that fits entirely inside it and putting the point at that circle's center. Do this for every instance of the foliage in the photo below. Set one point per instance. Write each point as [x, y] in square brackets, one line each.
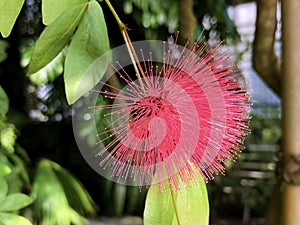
[159, 19]
[156, 17]
[55, 188]
[82, 69]
[11, 203]
[11, 200]
[55, 37]
[83, 65]
[75, 40]
[119, 199]
[9, 11]
[51, 179]
[168, 205]
[14, 176]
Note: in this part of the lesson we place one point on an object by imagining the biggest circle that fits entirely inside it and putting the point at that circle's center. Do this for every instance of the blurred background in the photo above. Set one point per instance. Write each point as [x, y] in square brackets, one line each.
[36, 137]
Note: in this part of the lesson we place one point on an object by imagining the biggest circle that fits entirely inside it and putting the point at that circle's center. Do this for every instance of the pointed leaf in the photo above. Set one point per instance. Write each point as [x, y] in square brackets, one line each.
[9, 219]
[9, 11]
[50, 202]
[51, 9]
[3, 102]
[3, 188]
[15, 202]
[83, 67]
[78, 198]
[189, 205]
[55, 37]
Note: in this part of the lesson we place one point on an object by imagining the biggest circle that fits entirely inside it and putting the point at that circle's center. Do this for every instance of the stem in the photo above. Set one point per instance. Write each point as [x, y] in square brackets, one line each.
[113, 11]
[133, 56]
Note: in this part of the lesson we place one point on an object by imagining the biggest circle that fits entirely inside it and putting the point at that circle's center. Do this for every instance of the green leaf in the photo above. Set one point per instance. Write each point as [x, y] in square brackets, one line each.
[20, 165]
[50, 203]
[4, 170]
[51, 9]
[8, 138]
[15, 202]
[3, 188]
[13, 179]
[76, 218]
[3, 47]
[3, 102]
[83, 66]
[78, 197]
[55, 37]
[188, 205]
[9, 11]
[50, 72]
[9, 219]
[5, 166]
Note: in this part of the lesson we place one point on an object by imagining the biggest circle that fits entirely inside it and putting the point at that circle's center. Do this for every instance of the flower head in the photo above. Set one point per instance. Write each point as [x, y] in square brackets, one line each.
[191, 114]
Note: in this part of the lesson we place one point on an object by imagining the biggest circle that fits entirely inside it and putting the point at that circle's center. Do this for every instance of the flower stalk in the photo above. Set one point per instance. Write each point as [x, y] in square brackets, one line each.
[133, 56]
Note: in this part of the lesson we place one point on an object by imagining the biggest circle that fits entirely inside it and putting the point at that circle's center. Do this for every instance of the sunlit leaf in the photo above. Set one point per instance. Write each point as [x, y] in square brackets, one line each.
[55, 37]
[76, 218]
[5, 167]
[3, 102]
[188, 205]
[8, 137]
[83, 67]
[9, 219]
[9, 11]
[4, 170]
[15, 202]
[50, 72]
[51, 9]
[59, 197]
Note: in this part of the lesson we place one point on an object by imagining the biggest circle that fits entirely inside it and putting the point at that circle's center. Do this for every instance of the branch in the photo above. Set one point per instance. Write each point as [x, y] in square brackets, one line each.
[264, 59]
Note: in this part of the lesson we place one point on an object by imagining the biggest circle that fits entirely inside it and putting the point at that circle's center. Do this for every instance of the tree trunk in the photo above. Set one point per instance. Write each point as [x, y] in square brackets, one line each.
[264, 59]
[187, 21]
[291, 112]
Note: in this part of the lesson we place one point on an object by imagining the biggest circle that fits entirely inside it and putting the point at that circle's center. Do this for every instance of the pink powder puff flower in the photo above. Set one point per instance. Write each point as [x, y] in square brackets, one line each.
[190, 115]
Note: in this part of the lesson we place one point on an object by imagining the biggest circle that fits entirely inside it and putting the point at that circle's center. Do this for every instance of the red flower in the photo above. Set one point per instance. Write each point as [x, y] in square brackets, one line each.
[192, 114]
